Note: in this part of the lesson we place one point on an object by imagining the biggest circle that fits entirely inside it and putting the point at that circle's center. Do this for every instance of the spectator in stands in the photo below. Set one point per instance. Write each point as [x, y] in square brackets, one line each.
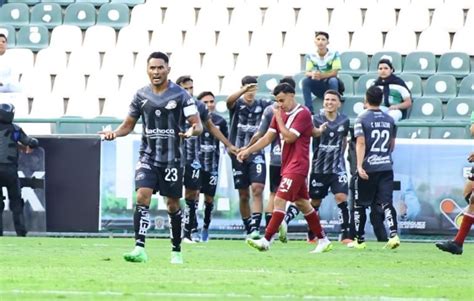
[396, 94]
[8, 79]
[321, 70]
[186, 82]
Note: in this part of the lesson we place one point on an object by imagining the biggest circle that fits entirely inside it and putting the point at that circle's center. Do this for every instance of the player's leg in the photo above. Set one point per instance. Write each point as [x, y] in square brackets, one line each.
[257, 177]
[340, 189]
[364, 193]
[209, 185]
[377, 217]
[241, 183]
[384, 196]
[319, 189]
[191, 196]
[275, 179]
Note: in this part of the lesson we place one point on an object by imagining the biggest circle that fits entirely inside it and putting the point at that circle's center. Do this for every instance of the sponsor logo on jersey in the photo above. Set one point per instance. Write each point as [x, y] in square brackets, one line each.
[258, 160]
[205, 148]
[277, 150]
[142, 165]
[172, 104]
[340, 128]
[247, 127]
[196, 164]
[160, 133]
[236, 172]
[378, 160]
[258, 109]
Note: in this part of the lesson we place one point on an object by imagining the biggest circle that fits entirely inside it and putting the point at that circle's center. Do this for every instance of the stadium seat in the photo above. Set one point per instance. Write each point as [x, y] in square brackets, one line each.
[465, 4]
[64, 127]
[429, 4]
[84, 61]
[82, 15]
[230, 84]
[233, 39]
[33, 37]
[413, 82]
[414, 17]
[205, 82]
[35, 82]
[143, 16]
[221, 107]
[102, 84]
[180, 17]
[469, 20]
[448, 17]
[246, 17]
[19, 100]
[352, 106]
[9, 32]
[251, 62]
[367, 39]
[346, 17]
[267, 81]
[66, 38]
[22, 59]
[116, 106]
[427, 109]
[15, 14]
[28, 2]
[394, 56]
[380, 17]
[115, 15]
[300, 40]
[441, 85]
[266, 39]
[409, 132]
[422, 63]
[466, 88]
[354, 63]
[99, 38]
[281, 17]
[312, 19]
[214, 17]
[166, 38]
[46, 14]
[67, 84]
[47, 106]
[348, 81]
[130, 3]
[449, 133]
[83, 105]
[133, 81]
[183, 62]
[394, 4]
[200, 39]
[459, 108]
[402, 40]
[60, 2]
[285, 62]
[118, 61]
[299, 77]
[218, 62]
[435, 40]
[94, 2]
[339, 39]
[363, 83]
[51, 60]
[462, 42]
[454, 63]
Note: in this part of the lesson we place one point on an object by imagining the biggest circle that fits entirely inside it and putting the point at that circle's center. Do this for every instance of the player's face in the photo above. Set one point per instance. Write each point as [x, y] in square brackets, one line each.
[250, 94]
[188, 86]
[286, 102]
[209, 101]
[157, 71]
[321, 42]
[384, 70]
[331, 103]
[3, 45]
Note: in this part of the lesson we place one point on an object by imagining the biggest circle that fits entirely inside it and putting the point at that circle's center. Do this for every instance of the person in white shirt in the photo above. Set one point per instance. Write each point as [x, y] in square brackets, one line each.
[8, 78]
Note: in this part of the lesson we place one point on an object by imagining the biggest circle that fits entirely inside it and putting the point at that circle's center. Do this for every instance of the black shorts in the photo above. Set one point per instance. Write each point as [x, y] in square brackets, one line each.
[208, 182]
[319, 184]
[192, 177]
[377, 190]
[252, 170]
[167, 180]
[275, 177]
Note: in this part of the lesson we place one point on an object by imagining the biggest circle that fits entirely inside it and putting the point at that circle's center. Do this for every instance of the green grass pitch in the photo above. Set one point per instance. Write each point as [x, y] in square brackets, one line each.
[93, 269]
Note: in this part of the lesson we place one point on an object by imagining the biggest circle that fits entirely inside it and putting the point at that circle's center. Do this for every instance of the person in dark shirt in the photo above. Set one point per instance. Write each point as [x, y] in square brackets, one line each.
[164, 107]
[375, 133]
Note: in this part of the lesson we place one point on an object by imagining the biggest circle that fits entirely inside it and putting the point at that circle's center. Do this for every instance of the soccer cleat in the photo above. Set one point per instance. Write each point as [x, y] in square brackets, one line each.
[324, 245]
[355, 244]
[176, 257]
[345, 238]
[260, 244]
[195, 236]
[204, 235]
[283, 232]
[254, 235]
[188, 240]
[393, 243]
[137, 255]
[449, 246]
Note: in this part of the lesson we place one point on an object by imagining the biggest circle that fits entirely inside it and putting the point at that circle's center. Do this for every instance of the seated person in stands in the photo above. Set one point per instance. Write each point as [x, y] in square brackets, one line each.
[396, 95]
[8, 79]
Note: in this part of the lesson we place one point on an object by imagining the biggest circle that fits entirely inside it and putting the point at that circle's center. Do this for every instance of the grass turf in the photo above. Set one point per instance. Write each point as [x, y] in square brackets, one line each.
[93, 269]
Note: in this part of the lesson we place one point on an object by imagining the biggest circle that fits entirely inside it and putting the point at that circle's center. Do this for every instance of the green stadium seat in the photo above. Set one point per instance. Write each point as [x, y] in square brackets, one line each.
[299, 77]
[60, 2]
[454, 63]
[466, 87]
[33, 37]
[410, 132]
[63, 127]
[422, 63]
[459, 108]
[348, 81]
[449, 133]
[27, 2]
[354, 63]
[441, 85]
[115, 15]
[317, 105]
[93, 2]
[82, 15]
[15, 14]
[128, 2]
[364, 82]
[413, 82]
[352, 106]
[221, 106]
[266, 82]
[46, 14]
[9, 32]
[429, 109]
[394, 56]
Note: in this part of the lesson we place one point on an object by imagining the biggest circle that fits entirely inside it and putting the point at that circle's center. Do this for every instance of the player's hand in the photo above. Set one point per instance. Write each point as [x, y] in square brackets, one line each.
[471, 158]
[242, 155]
[187, 134]
[107, 135]
[362, 173]
[234, 150]
[250, 87]
[25, 149]
[277, 112]
[323, 127]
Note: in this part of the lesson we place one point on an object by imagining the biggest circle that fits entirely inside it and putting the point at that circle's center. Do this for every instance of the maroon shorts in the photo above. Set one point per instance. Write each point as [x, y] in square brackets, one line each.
[293, 187]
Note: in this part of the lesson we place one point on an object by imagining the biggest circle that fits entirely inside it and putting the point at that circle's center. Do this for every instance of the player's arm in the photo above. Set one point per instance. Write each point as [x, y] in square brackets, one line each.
[219, 135]
[317, 132]
[196, 126]
[288, 135]
[260, 144]
[125, 128]
[232, 98]
[360, 153]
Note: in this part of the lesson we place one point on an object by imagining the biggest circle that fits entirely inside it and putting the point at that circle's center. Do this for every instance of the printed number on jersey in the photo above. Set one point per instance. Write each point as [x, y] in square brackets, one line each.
[381, 140]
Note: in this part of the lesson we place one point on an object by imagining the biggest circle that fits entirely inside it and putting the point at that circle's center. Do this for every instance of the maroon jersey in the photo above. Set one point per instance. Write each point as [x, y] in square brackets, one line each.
[295, 156]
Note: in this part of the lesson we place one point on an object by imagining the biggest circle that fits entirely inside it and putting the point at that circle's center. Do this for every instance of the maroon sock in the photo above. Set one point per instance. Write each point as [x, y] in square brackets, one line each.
[314, 224]
[275, 221]
[467, 221]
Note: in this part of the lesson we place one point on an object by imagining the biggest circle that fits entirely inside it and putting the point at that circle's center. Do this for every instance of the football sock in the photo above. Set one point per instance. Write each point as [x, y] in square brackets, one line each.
[360, 218]
[195, 215]
[256, 221]
[272, 228]
[247, 221]
[207, 214]
[175, 230]
[291, 213]
[467, 221]
[268, 216]
[189, 213]
[391, 218]
[141, 223]
[344, 217]
[314, 224]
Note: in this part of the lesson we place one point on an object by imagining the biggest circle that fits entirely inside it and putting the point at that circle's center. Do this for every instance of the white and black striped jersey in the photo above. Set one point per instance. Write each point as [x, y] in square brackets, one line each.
[192, 144]
[328, 152]
[275, 148]
[210, 152]
[163, 117]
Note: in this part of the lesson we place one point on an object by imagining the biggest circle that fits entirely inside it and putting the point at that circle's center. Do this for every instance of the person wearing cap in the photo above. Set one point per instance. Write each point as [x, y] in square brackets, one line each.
[396, 94]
